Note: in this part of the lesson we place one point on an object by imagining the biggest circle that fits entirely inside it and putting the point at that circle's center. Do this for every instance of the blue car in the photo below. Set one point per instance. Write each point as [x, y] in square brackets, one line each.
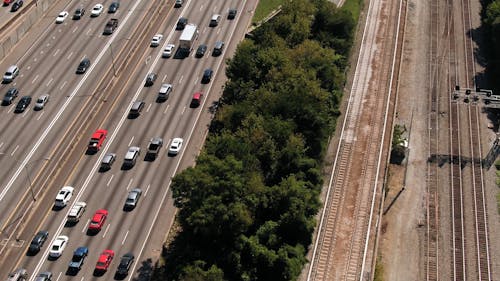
[78, 258]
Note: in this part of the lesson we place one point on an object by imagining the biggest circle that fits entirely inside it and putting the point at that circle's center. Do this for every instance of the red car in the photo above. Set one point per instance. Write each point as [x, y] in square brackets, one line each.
[196, 100]
[97, 139]
[104, 260]
[7, 2]
[98, 220]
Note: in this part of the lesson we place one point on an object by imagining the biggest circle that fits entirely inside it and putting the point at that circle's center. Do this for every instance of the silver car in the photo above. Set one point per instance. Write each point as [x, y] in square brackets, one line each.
[133, 198]
[41, 101]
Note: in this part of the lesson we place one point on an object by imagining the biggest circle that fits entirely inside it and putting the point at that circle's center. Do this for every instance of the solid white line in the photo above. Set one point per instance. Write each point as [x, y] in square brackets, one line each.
[125, 238]
[110, 179]
[14, 151]
[129, 183]
[50, 81]
[147, 189]
[130, 142]
[106, 231]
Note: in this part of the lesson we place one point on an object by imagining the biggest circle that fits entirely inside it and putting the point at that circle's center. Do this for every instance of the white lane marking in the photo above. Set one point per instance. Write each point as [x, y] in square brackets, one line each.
[165, 111]
[180, 79]
[204, 30]
[35, 59]
[1, 144]
[63, 84]
[84, 56]
[29, 67]
[56, 52]
[149, 106]
[164, 78]
[40, 115]
[14, 151]
[76, 27]
[184, 109]
[148, 59]
[201, 8]
[132, 139]
[106, 231]
[147, 188]
[125, 238]
[50, 81]
[129, 183]
[85, 225]
[196, 80]
[110, 179]
[88, 31]
[11, 108]
[218, 31]
[214, 9]
[34, 80]
[25, 112]
[69, 56]
[59, 276]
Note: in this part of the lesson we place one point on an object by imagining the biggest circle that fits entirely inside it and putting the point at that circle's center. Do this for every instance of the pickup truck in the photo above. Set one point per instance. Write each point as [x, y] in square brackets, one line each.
[76, 212]
[110, 26]
[78, 258]
[154, 147]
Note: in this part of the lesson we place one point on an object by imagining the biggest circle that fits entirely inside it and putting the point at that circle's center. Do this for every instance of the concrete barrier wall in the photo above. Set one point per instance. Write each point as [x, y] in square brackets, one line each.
[17, 28]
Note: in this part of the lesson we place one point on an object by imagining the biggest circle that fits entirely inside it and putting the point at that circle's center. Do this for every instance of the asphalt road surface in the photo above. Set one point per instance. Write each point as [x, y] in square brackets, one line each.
[41, 151]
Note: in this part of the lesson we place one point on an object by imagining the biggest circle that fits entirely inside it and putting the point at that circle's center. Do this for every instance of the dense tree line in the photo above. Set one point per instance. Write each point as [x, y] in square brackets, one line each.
[246, 210]
[491, 22]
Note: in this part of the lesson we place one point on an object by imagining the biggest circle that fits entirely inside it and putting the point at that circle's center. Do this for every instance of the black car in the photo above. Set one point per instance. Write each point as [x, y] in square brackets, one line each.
[150, 79]
[23, 104]
[181, 23]
[113, 7]
[79, 13]
[207, 75]
[38, 241]
[201, 50]
[18, 4]
[10, 96]
[126, 262]
[82, 67]
[232, 14]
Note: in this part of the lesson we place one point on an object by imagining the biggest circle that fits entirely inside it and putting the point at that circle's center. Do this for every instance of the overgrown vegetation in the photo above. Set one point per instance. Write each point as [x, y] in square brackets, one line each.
[247, 208]
[265, 8]
[379, 271]
[398, 148]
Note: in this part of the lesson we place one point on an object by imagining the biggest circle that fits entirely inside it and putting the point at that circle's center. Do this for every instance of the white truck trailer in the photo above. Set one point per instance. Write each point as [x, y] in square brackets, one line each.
[186, 41]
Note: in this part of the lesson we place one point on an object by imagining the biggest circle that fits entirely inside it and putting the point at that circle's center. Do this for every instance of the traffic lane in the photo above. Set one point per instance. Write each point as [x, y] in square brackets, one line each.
[52, 103]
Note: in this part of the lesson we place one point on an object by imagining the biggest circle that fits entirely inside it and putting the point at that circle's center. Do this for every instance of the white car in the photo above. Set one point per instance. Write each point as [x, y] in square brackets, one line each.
[41, 101]
[155, 42]
[76, 212]
[61, 17]
[169, 50]
[64, 196]
[175, 146]
[97, 10]
[58, 246]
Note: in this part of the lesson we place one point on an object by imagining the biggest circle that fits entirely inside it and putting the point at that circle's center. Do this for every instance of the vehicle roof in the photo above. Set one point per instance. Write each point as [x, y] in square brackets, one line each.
[60, 239]
[101, 212]
[197, 95]
[67, 188]
[80, 251]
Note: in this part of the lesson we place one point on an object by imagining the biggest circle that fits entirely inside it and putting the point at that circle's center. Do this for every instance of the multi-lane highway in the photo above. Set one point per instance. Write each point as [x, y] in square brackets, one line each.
[41, 151]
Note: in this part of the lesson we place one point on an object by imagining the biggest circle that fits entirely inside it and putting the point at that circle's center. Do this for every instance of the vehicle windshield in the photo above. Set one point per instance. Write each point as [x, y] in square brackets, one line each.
[40, 100]
[153, 146]
[55, 247]
[101, 264]
[76, 258]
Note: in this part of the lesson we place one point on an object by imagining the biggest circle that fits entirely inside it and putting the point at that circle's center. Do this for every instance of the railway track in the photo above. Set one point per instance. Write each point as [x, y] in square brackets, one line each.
[342, 247]
[469, 254]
